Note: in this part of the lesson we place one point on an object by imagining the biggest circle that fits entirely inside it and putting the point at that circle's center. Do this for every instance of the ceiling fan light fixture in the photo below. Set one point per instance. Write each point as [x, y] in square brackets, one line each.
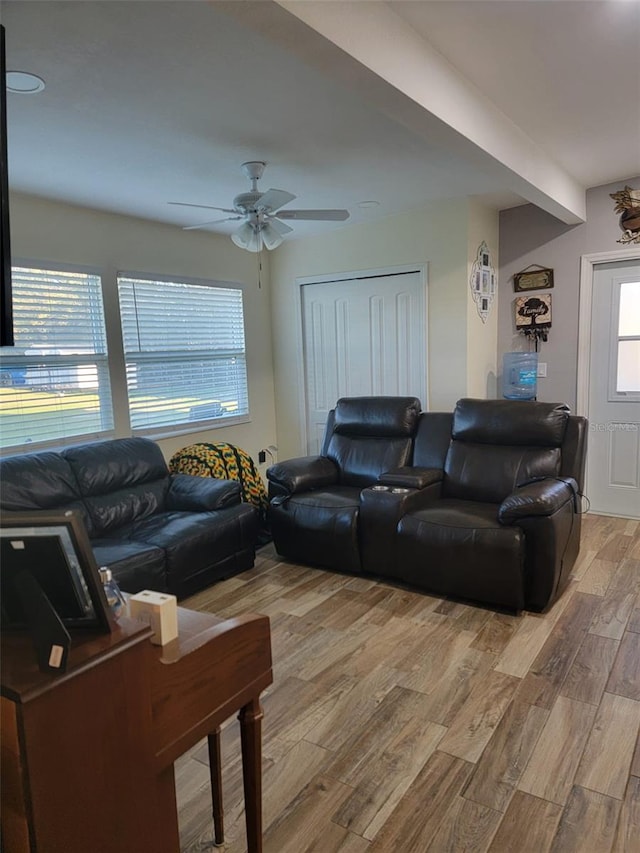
[246, 237]
[270, 236]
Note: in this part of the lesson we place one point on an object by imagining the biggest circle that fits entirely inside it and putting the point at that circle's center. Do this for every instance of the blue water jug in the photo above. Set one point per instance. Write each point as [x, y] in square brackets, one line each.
[520, 375]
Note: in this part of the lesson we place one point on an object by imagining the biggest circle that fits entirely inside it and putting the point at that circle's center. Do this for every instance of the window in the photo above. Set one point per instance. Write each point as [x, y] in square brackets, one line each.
[54, 384]
[626, 343]
[185, 353]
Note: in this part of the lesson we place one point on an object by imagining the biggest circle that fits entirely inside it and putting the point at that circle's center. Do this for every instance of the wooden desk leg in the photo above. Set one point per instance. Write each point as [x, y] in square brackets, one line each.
[251, 735]
[215, 769]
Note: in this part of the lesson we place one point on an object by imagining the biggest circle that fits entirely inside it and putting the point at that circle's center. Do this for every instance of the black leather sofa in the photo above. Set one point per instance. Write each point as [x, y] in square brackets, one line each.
[483, 504]
[154, 530]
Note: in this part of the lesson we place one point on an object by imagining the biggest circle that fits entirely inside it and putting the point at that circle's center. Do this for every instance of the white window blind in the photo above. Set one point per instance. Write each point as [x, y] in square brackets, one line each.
[54, 383]
[185, 352]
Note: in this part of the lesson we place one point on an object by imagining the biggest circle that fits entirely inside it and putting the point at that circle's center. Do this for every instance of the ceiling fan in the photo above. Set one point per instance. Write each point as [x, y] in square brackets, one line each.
[263, 225]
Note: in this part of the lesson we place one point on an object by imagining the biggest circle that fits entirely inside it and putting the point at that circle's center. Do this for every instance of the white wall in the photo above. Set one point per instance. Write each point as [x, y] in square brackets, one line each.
[528, 235]
[437, 237]
[46, 231]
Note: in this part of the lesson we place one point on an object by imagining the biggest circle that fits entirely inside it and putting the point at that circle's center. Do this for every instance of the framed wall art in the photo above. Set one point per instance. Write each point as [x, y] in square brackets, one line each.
[483, 282]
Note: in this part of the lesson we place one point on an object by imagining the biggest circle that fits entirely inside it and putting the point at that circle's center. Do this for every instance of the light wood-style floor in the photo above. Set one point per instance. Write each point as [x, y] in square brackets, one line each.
[404, 723]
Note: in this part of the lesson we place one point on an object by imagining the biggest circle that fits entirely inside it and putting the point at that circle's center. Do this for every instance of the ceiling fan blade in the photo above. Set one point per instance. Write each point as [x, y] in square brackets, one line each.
[334, 215]
[280, 227]
[273, 199]
[211, 222]
[205, 206]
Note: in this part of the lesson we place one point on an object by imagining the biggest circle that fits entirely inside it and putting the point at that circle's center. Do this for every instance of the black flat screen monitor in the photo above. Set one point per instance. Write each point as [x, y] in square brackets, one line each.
[54, 549]
[6, 309]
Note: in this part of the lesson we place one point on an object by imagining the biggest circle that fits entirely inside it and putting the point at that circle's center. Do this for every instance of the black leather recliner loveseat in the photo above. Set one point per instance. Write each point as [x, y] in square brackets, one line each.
[480, 504]
[154, 530]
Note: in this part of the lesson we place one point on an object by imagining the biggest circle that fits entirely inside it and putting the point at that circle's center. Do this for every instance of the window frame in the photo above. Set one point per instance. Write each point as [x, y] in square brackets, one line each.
[62, 442]
[205, 424]
[615, 396]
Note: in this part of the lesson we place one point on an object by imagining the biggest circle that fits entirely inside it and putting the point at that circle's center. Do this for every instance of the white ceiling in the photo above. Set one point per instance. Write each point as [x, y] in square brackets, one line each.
[150, 102]
[568, 73]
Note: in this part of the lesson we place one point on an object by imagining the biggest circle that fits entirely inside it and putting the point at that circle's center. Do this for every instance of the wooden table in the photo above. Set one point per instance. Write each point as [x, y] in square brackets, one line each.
[214, 669]
[87, 756]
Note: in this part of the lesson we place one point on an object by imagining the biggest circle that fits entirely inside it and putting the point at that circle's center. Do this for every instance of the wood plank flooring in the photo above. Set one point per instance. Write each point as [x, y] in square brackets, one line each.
[404, 723]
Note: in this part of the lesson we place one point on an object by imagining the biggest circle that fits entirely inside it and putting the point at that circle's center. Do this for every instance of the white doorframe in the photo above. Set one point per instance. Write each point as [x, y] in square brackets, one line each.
[300, 281]
[587, 263]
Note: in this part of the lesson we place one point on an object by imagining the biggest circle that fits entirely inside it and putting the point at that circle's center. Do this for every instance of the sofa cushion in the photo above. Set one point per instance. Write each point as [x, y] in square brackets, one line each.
[377, 416]
[39, 481]
[194, 542]
[432, 440]
[460, 548]
[135, 565]
[109, 465]
[524, 423]
[486, 472]
[121, 480]
[361, 460]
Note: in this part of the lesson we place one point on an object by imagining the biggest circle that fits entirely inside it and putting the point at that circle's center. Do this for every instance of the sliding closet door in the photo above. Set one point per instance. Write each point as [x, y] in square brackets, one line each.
[362, 336]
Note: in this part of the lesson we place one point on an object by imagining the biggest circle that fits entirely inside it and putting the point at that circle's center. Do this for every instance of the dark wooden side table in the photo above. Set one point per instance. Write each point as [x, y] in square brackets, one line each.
[87, 756]
[215, 668]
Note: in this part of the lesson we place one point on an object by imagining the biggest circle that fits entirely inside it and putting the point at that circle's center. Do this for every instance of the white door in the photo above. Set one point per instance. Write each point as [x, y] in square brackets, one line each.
[362, 336]
[613, 460]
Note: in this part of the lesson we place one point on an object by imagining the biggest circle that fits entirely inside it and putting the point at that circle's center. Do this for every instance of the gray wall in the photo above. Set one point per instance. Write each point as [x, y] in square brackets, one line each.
[528, 235]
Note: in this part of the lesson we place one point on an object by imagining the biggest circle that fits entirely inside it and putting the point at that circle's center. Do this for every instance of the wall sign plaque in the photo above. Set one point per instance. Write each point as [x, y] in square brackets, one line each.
[538, 279]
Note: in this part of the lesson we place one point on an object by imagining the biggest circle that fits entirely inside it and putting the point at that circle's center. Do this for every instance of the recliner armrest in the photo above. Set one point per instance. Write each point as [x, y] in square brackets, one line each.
[201, 494]
[540, 497]
[303, 474]
[409, 477]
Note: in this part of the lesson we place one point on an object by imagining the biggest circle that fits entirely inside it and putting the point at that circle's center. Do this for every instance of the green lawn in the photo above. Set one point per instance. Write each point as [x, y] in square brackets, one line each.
[48, 415]
[52, 415]
[16, 401]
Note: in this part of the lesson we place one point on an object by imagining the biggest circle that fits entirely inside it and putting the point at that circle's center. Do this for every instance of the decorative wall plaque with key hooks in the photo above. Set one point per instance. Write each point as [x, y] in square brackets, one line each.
[533, 317]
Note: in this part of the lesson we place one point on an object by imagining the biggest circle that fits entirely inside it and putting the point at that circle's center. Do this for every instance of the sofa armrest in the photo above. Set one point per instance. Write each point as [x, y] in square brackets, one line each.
[409, 477]
[201, 494]
[302, 474]
[539, 498]
[381, 508]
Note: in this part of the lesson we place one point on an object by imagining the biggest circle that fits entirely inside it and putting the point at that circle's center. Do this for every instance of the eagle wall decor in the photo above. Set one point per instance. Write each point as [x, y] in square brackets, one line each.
[628, 205]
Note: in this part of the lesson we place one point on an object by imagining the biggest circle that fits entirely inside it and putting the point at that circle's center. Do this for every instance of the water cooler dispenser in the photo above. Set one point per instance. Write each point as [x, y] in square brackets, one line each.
[520, 375]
